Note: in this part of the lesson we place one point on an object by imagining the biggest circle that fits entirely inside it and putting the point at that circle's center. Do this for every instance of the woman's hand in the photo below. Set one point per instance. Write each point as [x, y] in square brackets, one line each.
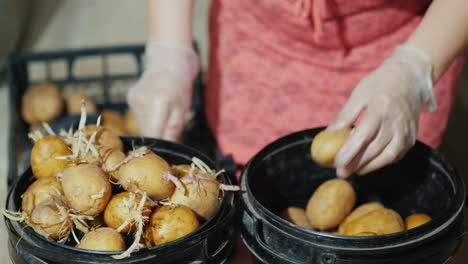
[162, 96]
[391, 98]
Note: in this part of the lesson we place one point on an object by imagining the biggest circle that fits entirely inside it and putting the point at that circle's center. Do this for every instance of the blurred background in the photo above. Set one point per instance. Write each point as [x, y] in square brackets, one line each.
[65, 24]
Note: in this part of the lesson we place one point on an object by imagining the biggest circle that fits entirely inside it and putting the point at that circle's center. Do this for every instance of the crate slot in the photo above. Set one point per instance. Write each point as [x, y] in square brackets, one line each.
[88, 66]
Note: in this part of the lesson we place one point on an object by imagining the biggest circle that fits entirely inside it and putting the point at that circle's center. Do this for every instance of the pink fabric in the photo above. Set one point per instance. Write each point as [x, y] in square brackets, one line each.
[279, 66]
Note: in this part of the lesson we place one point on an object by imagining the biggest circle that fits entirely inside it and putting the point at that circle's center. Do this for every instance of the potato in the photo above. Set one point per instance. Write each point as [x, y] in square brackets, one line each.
[104, 137]
[98, 221]
[110, 158]
[43, 156]
[201, 195]
[87, 188]
[296, 216]
[358, 212]
[41, 103]
[169, 223]
[113, 121]
[102, 239]
[326, 145]
[122, 207]
[416, 220]
[131, 125]
[147, 174]
[40, 190]
[50, 218]
[380, 222]
[181, 170]
[365, 234]
[330, 204]
[73, 102]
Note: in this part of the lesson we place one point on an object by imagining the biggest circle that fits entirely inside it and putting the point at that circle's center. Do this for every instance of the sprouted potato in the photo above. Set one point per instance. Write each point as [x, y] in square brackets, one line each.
[40, 190]
[87, 188]
[104, 137]
[44, 162]
[102, 239]
[168, 223]
[122, 212]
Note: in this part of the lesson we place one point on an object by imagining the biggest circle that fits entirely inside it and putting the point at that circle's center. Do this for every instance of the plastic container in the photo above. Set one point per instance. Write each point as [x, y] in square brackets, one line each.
[283, 174]
[212, 242]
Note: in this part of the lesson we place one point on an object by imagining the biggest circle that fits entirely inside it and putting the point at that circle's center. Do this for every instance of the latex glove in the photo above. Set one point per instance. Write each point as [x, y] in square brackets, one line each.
[162, 97]
[391, 97]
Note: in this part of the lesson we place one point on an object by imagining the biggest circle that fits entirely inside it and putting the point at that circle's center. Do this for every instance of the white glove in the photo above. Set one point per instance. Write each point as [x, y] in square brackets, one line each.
[391, 97]
[162, 96]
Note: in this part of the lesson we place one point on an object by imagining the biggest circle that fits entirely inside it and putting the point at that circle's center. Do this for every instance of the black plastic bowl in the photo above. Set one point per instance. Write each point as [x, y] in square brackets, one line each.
[283, 174]
[212, 242]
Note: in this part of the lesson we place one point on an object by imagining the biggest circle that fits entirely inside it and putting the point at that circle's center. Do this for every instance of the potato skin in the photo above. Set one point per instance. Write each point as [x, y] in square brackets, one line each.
[102, 239]
[104, 137]
[169, 223]
[131, 125]
[41, 103]
[202, 197]
[43, 156]
[358, 212]
[73, 102]
[116, 213]
[416, 220]
[296, 216]
[147, 173]
[110, 158]
[113, 121]
[365, 234]
[326, 145]
[40, 190]
[380, 222]
[87, 188]
[330, 204]
[50, 218]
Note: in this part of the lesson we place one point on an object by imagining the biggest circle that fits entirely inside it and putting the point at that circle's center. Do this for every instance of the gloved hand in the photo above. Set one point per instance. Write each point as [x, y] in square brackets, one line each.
[162, 96]
[391, 97]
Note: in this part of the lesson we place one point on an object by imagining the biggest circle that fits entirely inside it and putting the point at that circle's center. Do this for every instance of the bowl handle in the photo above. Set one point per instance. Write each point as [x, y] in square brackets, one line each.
[465, 231]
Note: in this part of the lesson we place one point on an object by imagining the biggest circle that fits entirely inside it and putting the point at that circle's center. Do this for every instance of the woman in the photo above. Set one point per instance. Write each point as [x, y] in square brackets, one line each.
[278, 66]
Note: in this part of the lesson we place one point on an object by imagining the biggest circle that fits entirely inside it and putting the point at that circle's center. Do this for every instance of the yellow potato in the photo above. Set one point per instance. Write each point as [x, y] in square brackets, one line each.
[110, 159]
[43, 156]
[416, 220]
[330, 204]
[181, 170]
[296, 216]
[147, 174]
[104, 137]
[202, 195]
[123, 207]
[380, 222]
[50, 218]
[41, 103]
[169, 223]
[73, 102]
[40, 190]
[326, 145]
[365, 234]
[131, 125]
[113, 121]
[358, 212]
[87, 188]
[102, 239]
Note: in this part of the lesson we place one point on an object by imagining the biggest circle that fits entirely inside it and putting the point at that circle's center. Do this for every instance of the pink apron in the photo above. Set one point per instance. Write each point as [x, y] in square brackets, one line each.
[279, 66]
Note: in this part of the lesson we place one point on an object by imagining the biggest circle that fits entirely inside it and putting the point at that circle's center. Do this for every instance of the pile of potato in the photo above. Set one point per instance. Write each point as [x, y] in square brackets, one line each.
[91, 194]
[44, 103]
[330, 208]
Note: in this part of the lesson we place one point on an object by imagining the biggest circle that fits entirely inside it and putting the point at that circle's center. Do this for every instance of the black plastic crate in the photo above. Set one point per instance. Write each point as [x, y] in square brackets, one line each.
[109, 92]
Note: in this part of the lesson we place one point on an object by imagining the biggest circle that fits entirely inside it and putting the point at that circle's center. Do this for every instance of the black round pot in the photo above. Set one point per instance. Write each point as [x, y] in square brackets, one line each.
[212, 242]
[283, 174]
